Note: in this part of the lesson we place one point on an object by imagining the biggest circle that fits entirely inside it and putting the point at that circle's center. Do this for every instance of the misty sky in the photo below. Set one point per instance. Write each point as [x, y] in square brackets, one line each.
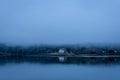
[59, 21]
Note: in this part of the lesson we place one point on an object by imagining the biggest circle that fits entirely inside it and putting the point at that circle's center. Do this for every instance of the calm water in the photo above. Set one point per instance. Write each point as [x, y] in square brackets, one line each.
[33, 71]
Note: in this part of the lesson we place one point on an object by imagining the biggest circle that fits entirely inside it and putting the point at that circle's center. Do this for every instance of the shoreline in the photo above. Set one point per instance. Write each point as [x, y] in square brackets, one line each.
[61, 54]
[70, 59]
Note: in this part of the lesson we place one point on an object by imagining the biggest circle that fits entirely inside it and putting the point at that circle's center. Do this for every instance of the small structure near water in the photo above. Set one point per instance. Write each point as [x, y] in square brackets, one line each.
[62, 58]
[62, 51]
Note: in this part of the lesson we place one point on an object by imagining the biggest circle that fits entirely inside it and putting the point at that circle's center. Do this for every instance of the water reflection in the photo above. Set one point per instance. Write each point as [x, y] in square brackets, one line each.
[36, 71]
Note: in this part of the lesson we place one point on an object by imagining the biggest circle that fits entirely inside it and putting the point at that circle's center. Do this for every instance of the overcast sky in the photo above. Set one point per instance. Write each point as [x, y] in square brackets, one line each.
[59, 21]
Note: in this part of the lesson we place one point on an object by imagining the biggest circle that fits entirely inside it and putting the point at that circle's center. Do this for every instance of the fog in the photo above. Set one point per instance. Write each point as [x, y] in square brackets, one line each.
[27, 22]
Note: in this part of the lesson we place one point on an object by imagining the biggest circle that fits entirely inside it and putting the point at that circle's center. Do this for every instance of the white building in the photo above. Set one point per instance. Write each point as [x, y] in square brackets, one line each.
[62, 50]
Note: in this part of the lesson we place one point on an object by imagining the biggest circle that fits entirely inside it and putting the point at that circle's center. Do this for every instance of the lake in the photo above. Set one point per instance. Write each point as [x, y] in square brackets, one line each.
[38, 71]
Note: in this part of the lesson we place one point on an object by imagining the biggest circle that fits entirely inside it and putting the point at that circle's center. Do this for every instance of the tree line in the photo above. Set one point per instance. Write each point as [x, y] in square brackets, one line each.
[22, 50]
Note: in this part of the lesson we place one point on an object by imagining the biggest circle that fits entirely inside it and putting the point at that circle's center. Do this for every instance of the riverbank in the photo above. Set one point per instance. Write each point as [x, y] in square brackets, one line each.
[70, 59]
[60, 54]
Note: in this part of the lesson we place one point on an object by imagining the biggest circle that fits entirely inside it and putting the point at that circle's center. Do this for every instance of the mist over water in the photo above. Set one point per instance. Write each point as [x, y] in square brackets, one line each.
[27, 22]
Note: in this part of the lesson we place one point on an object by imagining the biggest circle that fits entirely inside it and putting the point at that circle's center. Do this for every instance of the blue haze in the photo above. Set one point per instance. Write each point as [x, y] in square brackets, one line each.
[59, 21]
